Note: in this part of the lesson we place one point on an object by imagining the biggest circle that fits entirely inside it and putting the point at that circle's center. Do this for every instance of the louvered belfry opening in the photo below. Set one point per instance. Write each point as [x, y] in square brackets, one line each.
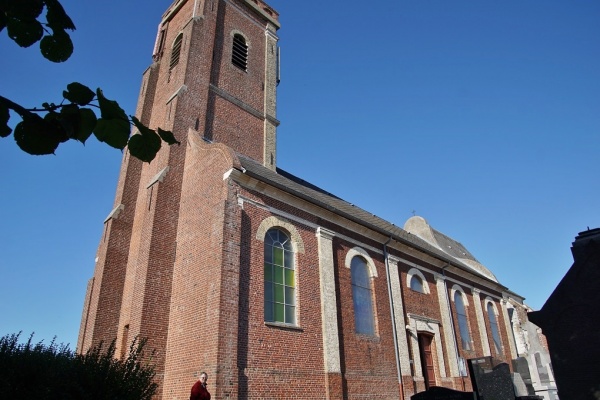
[175, 53]
[239, 55]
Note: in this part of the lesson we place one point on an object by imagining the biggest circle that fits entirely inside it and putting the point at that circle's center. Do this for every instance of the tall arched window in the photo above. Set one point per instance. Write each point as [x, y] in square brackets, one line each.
[239, 53]
[176, 51]
[463, 325]
[280, 278]
[362, 296]
[494, 327]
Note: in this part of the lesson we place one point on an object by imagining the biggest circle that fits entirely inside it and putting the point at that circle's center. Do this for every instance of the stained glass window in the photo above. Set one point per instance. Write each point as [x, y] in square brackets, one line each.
[280, 278]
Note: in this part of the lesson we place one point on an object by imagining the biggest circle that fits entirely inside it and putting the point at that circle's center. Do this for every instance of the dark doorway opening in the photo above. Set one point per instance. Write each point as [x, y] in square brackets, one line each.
[426, 353]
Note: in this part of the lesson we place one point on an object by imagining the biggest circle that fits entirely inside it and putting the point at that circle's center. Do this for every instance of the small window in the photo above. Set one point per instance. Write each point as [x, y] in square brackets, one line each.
[416, 284]
[362, 296]
[176, 51]
[463, 324]
[239, 54]
[280, 278]
[494, 328]
[415, 280]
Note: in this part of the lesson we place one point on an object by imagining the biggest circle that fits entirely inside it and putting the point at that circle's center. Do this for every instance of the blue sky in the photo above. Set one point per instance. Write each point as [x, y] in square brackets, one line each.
[483, 117]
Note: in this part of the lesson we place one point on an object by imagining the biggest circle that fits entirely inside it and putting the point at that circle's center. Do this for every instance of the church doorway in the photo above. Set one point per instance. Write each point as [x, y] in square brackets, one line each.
[425, 351]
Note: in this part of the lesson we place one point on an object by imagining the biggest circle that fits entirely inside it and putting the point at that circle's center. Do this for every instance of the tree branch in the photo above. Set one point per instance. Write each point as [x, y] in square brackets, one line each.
[22, 111]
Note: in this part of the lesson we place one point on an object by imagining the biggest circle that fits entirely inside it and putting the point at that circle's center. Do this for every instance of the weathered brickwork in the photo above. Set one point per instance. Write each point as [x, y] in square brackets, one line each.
[181, 260]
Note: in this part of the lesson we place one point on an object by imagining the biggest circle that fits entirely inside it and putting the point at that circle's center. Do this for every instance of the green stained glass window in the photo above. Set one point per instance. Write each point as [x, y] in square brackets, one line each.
[279, 312]
[280, 278]
[279, 294]
[290, 277]
[277, 274]
[277, 256]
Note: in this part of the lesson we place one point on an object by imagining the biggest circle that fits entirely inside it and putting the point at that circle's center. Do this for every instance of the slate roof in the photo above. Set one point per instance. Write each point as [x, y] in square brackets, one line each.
[454, 248]
[300, 188]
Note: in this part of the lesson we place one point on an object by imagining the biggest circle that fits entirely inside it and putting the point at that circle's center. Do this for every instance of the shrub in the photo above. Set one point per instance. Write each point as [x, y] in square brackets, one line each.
[39, 371]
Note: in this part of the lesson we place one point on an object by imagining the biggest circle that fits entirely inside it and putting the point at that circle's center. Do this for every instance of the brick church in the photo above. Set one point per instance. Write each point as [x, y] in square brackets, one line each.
[273, 286]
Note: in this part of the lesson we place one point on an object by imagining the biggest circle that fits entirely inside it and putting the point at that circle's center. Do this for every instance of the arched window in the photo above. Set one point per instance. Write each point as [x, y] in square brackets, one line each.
[494, 327]
[280, 278]
[415, 280]
[361, 296]
[463, 325]
[416, 284]
[176, 51]
[239, 53]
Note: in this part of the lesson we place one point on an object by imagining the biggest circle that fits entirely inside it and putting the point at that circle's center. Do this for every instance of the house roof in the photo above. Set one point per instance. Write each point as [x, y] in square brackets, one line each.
[298, 187]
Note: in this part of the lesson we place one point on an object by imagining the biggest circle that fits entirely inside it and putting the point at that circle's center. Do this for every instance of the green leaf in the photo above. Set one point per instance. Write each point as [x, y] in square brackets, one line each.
[114, 132]
[36, 136]
[62, 128]
[57, 17]
[78, 94]
[57, 47]
[68, 118]
[25, 10]
[24, 33]
[88, 122]
[110, 109]
[144, 145]
[113, 126]
[167, 136]
[3, 21]
[5, 130]
[77, 122]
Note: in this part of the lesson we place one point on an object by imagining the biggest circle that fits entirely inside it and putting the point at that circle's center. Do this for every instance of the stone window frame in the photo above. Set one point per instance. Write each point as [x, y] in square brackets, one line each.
[457, 289]
[372, 273]
[488, 301]
[357, 251]
[297, 244]
[414, 272]
[242, 64]
[176, 51]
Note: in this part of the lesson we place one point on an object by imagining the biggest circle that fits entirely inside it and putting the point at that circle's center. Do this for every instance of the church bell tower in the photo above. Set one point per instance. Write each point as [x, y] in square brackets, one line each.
[213, 79]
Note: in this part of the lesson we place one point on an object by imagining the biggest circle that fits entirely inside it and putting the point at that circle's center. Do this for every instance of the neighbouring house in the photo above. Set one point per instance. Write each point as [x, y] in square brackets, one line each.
[570, 320]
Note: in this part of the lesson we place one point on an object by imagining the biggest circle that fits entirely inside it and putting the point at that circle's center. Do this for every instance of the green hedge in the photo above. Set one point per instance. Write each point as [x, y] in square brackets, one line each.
[53, 372]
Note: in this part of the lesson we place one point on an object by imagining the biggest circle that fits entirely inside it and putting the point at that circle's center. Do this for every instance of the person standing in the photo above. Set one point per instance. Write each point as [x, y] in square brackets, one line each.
[199, 391]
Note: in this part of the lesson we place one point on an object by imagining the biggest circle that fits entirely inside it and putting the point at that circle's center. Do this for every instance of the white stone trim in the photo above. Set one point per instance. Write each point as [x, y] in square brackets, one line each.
[401, 339]
[159, 177]
[329, 319]
[412, 272]
[457, 288]
[509, 331]
[481, 322]
[277, 222]
[357, 251]
[114, 212]
[447, 325]
[415, 325]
